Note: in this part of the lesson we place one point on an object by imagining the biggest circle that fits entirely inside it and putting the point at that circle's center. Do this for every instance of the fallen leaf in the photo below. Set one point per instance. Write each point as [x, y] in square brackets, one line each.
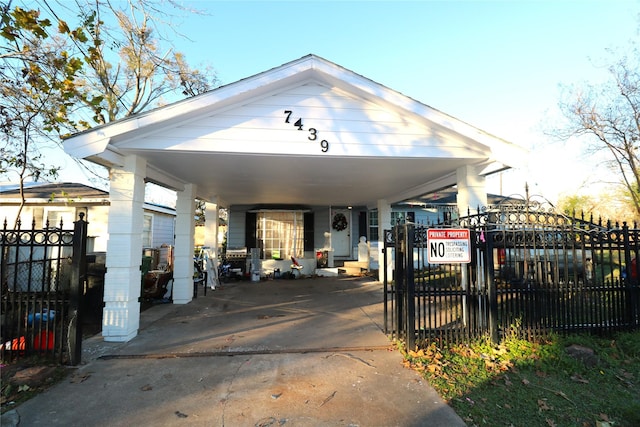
[604, 417]
[542, 405]
[579, 379]
[331, 396]
[433, 368]
[180, 414]
[525, 381]
[507, 382]
[146, 387]
[79, 378]
[550, 422]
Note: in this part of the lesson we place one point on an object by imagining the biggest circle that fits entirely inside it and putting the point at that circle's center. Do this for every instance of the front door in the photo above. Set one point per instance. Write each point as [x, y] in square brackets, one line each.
[341, 232]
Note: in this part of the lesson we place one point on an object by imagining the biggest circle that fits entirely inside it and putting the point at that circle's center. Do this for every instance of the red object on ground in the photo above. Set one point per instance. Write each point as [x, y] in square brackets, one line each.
[44, 341]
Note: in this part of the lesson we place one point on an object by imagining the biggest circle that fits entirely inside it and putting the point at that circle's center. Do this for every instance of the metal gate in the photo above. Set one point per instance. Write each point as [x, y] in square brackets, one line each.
[531, 271]
[43, 277]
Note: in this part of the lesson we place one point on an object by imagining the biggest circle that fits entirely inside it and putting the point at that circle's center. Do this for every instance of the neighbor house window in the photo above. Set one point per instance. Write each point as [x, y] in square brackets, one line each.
[400, 218]
[55, 216]
[147, 231]
[373, 226]
[280, 233]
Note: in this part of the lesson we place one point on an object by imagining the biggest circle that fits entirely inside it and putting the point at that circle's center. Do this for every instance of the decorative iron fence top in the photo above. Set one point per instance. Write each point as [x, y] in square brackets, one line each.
[539, 221]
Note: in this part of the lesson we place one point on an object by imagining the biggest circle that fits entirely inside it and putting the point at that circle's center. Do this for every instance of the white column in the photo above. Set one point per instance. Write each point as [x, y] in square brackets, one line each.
[472, 194]
[472, 190]
[183, 254]
[384, 223]
[211, 241]
[123, 281]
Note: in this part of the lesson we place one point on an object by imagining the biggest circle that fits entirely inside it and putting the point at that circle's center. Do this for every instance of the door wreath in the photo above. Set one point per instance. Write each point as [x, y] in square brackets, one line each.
[339, 222]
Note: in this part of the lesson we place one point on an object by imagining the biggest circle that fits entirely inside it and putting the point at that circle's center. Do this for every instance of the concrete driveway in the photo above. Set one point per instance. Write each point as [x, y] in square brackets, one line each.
[304, 352]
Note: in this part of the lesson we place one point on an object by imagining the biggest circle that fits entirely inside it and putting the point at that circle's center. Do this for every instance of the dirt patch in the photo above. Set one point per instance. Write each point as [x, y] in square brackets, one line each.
[21, 381]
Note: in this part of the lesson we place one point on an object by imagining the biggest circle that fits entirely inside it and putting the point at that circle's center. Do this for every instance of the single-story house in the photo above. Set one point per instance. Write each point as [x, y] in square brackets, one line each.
[306, 157]
[49, 204]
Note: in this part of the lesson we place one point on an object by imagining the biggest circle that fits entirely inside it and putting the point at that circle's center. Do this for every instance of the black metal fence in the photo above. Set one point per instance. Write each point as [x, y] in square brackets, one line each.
[532, 271]
[43, 274]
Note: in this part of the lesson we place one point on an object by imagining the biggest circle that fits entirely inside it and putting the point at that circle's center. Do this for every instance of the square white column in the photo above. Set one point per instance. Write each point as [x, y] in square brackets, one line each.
[183, 253]
[472, 190]
[123, 280]
[211, 215]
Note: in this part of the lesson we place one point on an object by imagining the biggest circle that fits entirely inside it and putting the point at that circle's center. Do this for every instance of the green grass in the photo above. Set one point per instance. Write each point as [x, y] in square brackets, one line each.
[520, 383]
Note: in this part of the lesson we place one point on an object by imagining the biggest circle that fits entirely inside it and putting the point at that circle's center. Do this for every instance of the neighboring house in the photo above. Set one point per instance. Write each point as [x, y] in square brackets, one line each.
[441, 206]
[306, 157]
[49, 204]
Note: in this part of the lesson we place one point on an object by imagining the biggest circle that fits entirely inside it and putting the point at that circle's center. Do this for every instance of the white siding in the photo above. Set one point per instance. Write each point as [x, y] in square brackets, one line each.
[8, 214]
[352, 127]
[97, 217]
[163, 230]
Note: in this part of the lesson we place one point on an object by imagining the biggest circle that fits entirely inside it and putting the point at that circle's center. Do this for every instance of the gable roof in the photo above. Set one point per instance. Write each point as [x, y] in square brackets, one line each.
[49, 192]
[65, 193]
[240, 142]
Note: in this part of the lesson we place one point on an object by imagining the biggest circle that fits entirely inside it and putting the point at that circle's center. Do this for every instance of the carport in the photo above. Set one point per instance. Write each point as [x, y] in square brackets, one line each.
[308, 132]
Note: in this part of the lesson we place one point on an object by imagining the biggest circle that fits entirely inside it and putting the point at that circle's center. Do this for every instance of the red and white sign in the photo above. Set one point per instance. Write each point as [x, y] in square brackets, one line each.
[448, 246]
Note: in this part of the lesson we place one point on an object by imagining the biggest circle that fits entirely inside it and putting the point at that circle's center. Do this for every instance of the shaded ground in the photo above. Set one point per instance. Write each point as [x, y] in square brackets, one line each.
[21, 381]
[301, 352]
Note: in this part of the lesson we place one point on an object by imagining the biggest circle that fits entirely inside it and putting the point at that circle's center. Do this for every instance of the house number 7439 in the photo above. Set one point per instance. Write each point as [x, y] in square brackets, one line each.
[313, 132]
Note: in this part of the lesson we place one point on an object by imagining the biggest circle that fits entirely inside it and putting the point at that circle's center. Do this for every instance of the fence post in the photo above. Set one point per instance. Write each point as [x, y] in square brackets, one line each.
[385, 282]
[492, 293]
[78, 278]
[410, 288]
[399, 279]
[632, 269]
[385, 297]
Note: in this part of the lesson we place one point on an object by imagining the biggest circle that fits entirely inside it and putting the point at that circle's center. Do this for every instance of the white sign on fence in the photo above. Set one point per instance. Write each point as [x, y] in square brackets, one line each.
[447, 246]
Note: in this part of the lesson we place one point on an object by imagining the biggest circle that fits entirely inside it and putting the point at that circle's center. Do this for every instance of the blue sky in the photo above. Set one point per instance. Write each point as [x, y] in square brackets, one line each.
[498, 65]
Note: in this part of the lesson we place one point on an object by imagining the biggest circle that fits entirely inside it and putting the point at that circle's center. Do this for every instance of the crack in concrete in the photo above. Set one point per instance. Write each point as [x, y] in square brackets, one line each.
[231, 353]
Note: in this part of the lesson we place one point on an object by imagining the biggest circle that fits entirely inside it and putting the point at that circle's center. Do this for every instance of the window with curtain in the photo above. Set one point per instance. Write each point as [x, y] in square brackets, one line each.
[281, 233]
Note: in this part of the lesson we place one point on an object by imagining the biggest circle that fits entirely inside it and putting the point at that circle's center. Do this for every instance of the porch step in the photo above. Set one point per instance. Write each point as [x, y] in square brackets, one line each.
[327, 272]
[353, 268]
